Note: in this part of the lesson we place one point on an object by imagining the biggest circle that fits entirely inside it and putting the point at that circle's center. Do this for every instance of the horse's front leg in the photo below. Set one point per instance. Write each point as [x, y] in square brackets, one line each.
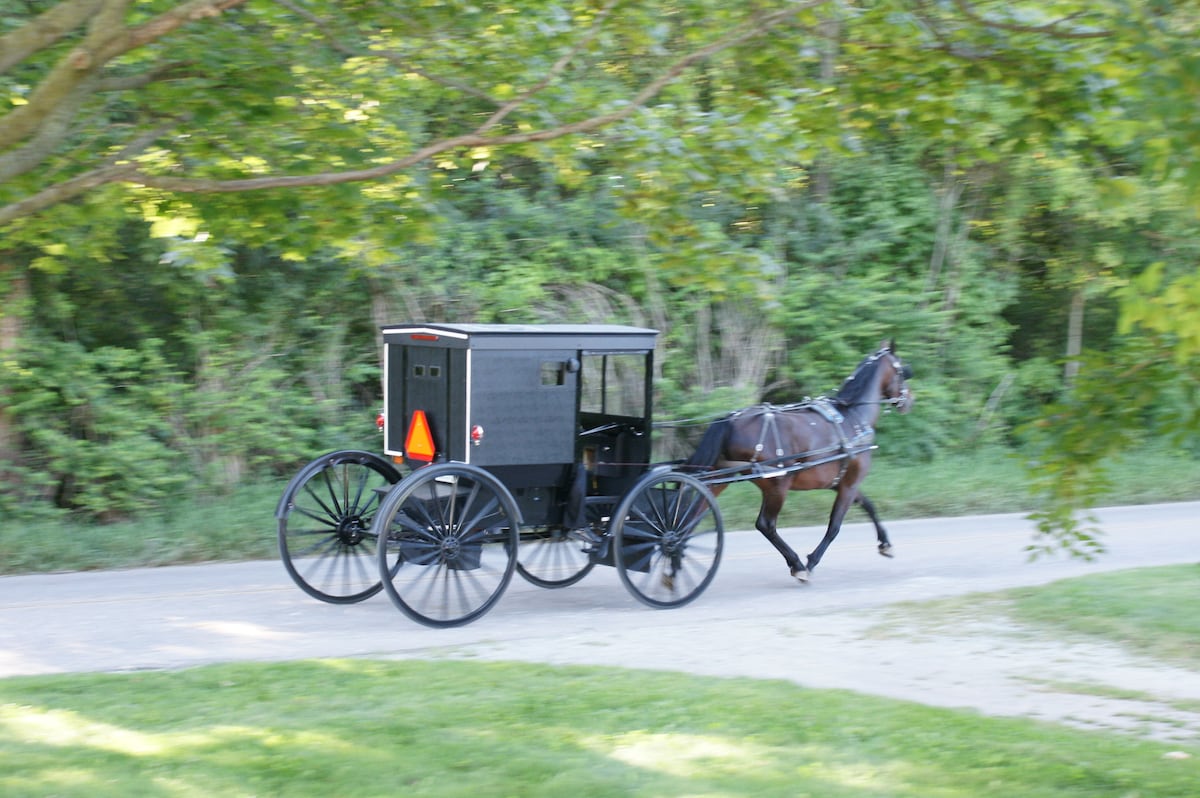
[845, 497]
[885, 545]
[774, 492]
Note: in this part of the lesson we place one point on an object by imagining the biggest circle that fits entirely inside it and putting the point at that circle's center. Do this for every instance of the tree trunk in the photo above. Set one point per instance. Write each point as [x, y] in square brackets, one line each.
[1074, 335]
[14, 284]
[830, 30]
[948, 196]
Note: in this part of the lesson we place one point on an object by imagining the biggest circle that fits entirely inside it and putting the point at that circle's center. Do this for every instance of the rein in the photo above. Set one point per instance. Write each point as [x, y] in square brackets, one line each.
[807, 402]
[695, 421]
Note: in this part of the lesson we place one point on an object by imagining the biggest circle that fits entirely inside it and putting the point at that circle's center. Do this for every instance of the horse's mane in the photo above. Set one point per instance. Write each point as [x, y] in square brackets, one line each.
[855, 388]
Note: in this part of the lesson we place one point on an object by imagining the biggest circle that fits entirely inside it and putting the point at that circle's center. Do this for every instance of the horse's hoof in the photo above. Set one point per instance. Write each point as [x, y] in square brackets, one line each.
[668, 582]
[801, 575]
[886, 550]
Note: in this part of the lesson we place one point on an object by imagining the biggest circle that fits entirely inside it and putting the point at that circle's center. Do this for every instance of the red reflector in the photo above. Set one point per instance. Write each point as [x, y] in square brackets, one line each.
[418, 444]
[423, 337]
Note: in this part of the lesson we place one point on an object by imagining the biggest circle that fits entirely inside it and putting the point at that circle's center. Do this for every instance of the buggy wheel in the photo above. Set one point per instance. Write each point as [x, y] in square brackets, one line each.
[448, 543]
[667, 538]
[325, 517]
[553, 557]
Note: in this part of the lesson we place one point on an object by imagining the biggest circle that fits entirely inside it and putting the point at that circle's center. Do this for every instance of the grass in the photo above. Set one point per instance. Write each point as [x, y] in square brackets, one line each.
[242, 526]
[1148, 610]
[368, 728]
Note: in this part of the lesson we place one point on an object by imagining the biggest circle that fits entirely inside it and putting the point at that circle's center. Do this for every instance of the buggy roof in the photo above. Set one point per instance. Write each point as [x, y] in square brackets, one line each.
[608, 337]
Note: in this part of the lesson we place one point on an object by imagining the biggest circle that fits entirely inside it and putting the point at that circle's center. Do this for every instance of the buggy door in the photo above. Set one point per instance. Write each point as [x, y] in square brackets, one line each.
[418, 378]
[524, 400]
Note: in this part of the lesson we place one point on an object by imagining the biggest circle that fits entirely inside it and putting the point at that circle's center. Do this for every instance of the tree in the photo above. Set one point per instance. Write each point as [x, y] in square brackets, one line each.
[321, 123]
[244, 95]
[232, 71]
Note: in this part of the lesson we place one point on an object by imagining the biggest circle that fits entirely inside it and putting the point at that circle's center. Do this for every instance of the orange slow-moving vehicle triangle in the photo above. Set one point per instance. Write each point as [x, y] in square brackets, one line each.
[418, 445]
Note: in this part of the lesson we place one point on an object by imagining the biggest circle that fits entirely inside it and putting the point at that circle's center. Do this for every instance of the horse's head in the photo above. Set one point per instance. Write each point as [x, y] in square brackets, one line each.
[894, 378]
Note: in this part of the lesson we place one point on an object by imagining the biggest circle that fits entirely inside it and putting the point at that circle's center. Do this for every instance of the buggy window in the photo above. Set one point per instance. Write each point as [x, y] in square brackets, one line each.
[554, 372]
[613, 385]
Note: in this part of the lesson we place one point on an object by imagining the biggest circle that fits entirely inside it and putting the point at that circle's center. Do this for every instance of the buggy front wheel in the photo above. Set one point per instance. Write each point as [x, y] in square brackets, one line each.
[447, 543]
[667, 537]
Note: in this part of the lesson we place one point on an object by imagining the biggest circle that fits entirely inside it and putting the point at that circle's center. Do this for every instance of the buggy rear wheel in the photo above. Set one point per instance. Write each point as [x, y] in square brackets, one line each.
[447, 543]
[667, 538]
[325, 517]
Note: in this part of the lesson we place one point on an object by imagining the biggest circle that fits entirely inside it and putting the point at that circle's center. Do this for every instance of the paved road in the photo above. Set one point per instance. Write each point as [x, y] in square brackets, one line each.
[754, 620]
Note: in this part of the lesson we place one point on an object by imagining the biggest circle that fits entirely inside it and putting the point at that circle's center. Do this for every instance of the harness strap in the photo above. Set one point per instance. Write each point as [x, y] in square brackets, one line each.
[824, 407]
[769, 412]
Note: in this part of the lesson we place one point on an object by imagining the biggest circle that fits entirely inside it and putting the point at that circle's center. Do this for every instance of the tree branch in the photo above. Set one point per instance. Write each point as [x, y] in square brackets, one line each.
[52, 132]
[1053, 29]
[557, 69]
[44, 30]
[168, 71]
[478, 137]
[107, 38]
[115, 169]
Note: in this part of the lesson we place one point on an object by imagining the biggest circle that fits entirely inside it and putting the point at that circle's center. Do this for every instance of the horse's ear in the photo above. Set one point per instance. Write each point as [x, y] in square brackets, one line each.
[890, 346]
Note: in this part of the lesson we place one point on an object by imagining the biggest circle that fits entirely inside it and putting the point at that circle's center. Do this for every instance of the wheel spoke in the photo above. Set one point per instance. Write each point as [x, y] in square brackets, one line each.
[327, 541]
[358, 494]
[330, 516]
[333, 495]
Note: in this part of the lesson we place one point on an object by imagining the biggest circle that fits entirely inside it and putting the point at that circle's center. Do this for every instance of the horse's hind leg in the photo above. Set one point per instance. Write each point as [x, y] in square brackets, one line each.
[885, 545]
[773, 495]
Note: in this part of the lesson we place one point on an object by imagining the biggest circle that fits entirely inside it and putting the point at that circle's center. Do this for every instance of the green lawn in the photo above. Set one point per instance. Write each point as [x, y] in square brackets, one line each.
[475, 729]
[471, 729]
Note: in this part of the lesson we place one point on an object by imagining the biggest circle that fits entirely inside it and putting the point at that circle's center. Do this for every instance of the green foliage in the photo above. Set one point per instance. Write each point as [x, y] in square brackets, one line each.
[98, 425]
[952, 175]
[149, 373]
[1073, 444]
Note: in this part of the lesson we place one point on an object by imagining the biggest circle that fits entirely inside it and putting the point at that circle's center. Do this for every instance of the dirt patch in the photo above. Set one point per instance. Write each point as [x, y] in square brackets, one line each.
[1001, 668]
[990, 665]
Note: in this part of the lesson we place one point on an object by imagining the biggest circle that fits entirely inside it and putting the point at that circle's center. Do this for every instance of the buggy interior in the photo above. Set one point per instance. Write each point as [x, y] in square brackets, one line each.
[614, 436]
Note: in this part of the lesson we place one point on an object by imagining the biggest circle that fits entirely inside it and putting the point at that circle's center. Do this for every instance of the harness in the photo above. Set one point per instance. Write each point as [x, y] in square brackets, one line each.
[847, 445]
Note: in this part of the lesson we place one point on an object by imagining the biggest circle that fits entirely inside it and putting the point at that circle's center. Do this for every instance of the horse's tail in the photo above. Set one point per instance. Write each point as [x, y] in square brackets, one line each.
[709, 450]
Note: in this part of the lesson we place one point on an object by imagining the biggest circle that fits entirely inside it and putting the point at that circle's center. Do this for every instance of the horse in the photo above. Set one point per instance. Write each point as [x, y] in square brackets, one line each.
[825, 442]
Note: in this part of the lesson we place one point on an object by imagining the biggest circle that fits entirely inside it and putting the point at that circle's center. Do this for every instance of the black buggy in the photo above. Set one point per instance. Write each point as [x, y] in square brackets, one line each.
[506, 447]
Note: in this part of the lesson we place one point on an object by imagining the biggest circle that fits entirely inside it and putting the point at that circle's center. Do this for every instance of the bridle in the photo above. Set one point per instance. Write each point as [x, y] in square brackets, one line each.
[903, 372]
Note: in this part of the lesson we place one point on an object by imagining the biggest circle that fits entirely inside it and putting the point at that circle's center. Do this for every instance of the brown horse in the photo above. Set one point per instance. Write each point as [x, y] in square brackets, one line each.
[832, 437]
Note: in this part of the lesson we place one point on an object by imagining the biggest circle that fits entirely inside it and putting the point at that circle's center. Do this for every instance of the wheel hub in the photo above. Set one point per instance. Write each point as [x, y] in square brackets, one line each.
[671, 543]
[351, 530]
